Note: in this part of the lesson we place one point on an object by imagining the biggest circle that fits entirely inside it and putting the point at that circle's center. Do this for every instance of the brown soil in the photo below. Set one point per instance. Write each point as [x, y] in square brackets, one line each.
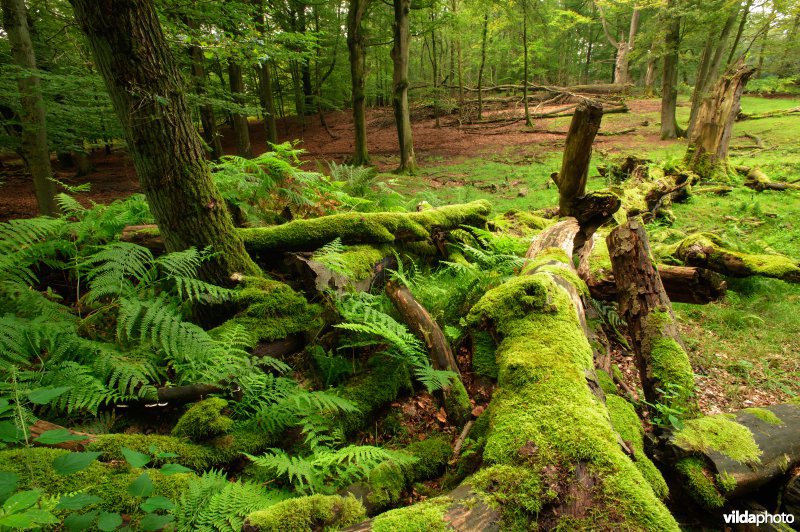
[114, 176]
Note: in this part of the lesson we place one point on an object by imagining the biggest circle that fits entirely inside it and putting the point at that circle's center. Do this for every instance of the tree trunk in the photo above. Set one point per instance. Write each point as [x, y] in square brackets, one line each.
[34, 131]
[650, 75]
[241, 127]
[399, 54]
[147, 92]
[435, 67]
[528, 121]
[571, 180]
[485, 33]
[664, 367]
[622, 66]
[356, 46]
[264, 74]
[739, 32]
[207, 119]
[669, 78]
[707, 153]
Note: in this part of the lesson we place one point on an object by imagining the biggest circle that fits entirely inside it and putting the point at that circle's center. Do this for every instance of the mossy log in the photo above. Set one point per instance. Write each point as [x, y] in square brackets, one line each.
[454, 397]
[707, 153]
[356, 267]
[759, 181]
[726, 456]
[706, 250]
[768, 114]
[664, 367]
[650, 194]
[301, 514]
[552, 457]
[683, 284]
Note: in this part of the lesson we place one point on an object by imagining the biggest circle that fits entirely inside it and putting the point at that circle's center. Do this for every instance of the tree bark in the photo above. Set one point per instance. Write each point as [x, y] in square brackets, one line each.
[571, 180]
[739, 32]
[399, 54]
[664, 367]
[34, 131]
[356, 46]
[147, 92]
[669, 78]
[707, 153]
[484, 35]
[528, 121]
[241, 127]
[264, 74]
[207, 119]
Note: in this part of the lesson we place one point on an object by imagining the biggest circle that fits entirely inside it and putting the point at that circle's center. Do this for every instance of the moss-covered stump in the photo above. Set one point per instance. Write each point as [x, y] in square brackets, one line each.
[725, 456]
[363, 228]
[706, 250]
[204, 420]
[351, 268]
[315, 512]
[34, 469]
[387, 483]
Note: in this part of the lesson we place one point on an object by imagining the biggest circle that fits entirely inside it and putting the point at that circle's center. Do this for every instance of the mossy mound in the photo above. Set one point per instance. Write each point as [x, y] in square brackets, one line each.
[700, 483]
[718, 433]
[427, 516]
[383, 381]
[670, 365]
[315, 512]
[483, 348]
[203, 420]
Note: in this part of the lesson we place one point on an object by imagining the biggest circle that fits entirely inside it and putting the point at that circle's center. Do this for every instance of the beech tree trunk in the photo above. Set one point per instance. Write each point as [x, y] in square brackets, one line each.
[207, 119]
[571, 180]
[399, 54]
[669, 78]
[356, 45]
[664, 367]
[484, 34]
[34, 133]
[147, 92]
[707, 153]
[241, 128]
[264, 74]
[621, 67]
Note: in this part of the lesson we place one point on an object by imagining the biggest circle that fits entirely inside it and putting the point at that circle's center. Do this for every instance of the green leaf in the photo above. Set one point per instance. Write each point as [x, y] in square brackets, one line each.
[167, 455]
[8, 483]
[10, 433]
[135, 458]
[21, 501]
[5, 406]
[79, 501]
[40, 516]
[56, 436]
[109, 521]
[157, 503]
[42, 396]
[141, 487]
[70, 463]
[17, 521]
[80, 521]
[171, 469]
[155, 521]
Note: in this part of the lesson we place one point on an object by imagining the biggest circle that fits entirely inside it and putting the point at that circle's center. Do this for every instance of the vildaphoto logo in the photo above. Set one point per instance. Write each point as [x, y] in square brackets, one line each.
[757, 518]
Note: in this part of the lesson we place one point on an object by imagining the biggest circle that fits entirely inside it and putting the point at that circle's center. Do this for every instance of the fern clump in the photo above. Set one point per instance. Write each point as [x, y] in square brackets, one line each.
[204, 420]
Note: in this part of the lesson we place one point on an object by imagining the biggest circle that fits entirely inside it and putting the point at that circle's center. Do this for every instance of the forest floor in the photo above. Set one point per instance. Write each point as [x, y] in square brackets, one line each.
[745, 349]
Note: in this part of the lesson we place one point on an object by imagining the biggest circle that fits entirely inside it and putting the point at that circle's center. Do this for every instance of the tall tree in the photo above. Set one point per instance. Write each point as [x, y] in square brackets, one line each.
[264, 74]
[241, 127]
[624, 48]
[484, 35]
[528, 121]
[669, 76]
[34, 132]
[147, 92]
[400, 51]
[207, 118]
[356, 45]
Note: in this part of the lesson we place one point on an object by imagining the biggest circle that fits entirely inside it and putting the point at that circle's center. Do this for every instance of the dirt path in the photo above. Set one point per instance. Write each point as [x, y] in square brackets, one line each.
[114, 176]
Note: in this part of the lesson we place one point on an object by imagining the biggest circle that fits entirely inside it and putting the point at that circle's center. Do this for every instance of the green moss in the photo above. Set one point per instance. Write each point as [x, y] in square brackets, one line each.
[726, 482]
[599, 259]
[456, 402]
[542, 398]
[671, 368]
[629, 427]
[382, 384]
[204, 420]
[426, 516]
[355, 228]
[699, 483]
[315, 512]
[357, 262]
[719, 433]
[483, 348]
[764, 415]
[271, 310]
[557, 262]
[216, 452]
[606, 382]
[34, 468]
[515, 487]
[777, 266]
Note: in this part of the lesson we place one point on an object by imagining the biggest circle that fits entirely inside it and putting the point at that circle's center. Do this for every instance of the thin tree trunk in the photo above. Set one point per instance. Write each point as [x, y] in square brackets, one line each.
[356, 47]
[739, 31]
[528, 121]
[571, 180]
[669, 78]
[650, 75]
[435, 66]
[34, 131]
[621, 68]
[483, 63]
[265, 81]
[207, 119]
[134, 58]
[241, 127]
[399, 54]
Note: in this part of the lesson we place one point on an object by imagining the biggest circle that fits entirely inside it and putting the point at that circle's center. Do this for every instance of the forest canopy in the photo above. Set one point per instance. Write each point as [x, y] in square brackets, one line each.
[417, 266]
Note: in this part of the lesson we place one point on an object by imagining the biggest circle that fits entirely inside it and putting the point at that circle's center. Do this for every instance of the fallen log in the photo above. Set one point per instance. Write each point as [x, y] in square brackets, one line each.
[357, 268]
[351, 228]
[664, 368]
[758, 180]
[706, 250]
[550, 445]
[769, 114]
[726, 456]
[454, 397]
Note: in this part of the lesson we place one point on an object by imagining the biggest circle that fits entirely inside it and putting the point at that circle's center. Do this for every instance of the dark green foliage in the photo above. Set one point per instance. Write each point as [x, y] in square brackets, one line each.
[204, 420]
